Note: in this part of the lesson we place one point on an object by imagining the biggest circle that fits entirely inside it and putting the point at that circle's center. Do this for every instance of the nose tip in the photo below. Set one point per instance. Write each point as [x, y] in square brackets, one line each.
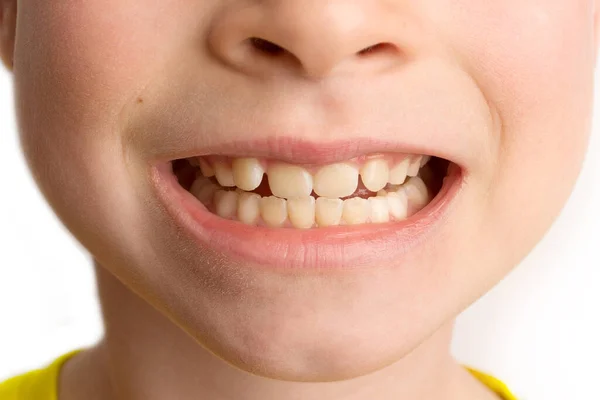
[310, 37]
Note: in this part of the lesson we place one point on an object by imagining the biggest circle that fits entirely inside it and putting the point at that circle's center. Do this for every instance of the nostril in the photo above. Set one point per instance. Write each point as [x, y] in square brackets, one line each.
[376, 48]
[266, 46]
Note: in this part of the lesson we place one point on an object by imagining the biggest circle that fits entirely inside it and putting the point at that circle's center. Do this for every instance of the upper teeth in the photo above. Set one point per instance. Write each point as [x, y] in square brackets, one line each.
[247, 173]
[375, 174]
[289, 181]
[398, 172]
[333, 181]
[336, 180]
[224, 174]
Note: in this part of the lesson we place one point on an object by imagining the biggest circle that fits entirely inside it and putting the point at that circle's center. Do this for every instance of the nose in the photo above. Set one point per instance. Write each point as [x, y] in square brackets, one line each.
[312, 38]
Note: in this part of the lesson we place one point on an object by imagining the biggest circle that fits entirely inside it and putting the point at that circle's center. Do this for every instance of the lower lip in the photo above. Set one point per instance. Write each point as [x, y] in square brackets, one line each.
[343, 247]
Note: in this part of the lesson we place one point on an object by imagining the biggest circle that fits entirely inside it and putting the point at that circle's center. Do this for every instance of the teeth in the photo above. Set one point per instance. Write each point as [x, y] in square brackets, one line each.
[415, 166]
[356, 211]
[226, 203]
[205, 168]
[399, 171]
[248, 208]
[289, 181]
[203, 190]
[301, 212]
[273, 211]
[293, 188]
[417, 192]
[398, 205]
[247, 173]
[379, 209]
[224, 174]
[328, 211]
[336, 180]
[375, 174]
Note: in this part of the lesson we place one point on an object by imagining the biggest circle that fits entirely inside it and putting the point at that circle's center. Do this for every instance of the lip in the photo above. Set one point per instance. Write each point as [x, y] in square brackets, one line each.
[341, 247]
[300, 152]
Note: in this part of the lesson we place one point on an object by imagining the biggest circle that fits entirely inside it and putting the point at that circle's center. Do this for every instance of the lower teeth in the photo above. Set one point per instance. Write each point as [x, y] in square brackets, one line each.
[393, 203]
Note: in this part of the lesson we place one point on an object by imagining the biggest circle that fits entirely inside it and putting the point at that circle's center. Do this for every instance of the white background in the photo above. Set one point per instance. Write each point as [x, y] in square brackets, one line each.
[539, 330]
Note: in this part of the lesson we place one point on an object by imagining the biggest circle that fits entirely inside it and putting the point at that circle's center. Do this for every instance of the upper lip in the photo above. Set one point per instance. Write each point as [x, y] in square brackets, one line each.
[300, 151]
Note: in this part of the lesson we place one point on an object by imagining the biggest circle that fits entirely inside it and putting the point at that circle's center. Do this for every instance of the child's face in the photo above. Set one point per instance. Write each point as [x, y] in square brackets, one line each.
[109, 92]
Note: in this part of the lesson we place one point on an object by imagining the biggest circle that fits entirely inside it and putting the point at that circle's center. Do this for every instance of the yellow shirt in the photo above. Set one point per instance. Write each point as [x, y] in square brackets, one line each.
[42, 384]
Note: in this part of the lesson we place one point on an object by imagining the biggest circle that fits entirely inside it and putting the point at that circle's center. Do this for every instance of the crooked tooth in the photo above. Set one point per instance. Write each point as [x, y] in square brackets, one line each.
[336, 180]
[375, 174]
[399, 171]
[205, 168]
[247, 173]
[328, 211]
[356, 211]
[398, 204]
[203, 189]
[226, 203]
[248, 210]
[417, 193]
[301, 212]
[289, 181]
[224, 174]
[273, 211]
[379, 209]
[415, 166]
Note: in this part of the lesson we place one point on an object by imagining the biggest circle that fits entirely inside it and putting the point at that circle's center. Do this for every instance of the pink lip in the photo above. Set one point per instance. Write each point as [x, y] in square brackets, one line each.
[299, 151]
[334, 247]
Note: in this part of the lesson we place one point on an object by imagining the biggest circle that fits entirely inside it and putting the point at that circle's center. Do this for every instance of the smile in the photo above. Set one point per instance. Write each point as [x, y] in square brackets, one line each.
[280, 213]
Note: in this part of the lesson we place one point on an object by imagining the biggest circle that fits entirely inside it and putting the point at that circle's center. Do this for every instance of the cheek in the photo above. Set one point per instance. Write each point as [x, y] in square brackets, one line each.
[87, 60]
[533, 61]
[77, 71]
[530, 58]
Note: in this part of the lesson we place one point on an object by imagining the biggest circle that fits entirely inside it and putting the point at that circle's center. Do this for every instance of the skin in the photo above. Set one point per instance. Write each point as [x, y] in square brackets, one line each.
[104, 88]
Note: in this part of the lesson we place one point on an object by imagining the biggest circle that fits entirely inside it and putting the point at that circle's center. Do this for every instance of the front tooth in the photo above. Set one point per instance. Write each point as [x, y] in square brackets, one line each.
[399, 171]
[425, 160]
[289, 181]
[273, 211]
[301, 212]
[336, 180]
[224, 174]
[415, 166]
[417, 192]
[247, 173]
[205, 168]
[375, 174]
[248, 208]
[356, 211]
[226, 203]
[398, 205]
[203, 190]
[379, 209]
[328, 211]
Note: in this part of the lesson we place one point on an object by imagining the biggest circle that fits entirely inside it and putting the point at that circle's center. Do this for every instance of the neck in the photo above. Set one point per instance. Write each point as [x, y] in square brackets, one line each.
[144, 355]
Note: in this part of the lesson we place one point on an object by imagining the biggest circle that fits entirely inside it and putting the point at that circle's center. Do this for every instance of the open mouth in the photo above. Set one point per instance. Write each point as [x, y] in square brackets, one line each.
[369, 189]
[369, 209]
